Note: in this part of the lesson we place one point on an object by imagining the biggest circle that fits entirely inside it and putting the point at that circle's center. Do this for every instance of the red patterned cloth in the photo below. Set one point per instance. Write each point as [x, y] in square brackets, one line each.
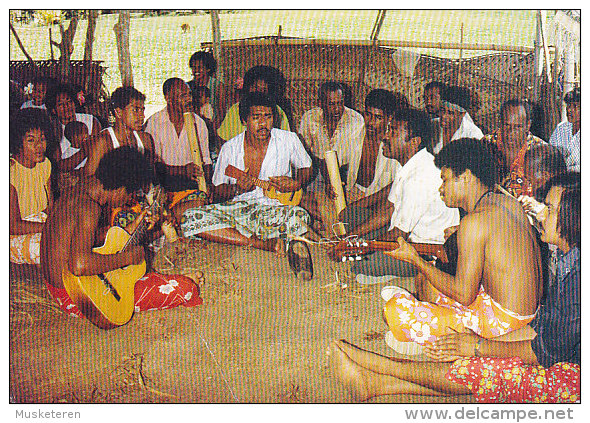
[509, 380]
[152, 292]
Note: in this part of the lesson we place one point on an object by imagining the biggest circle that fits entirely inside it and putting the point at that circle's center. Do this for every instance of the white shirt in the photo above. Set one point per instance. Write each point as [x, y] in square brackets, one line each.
[29, 104]
[467, 129]
[385, 170]
[347, 136]
[172, 149]
[568, 144]
[419, 209]
[284, 151]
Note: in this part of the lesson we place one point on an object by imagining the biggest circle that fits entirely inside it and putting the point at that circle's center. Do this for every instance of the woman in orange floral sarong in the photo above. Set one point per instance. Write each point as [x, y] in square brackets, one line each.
[545, 369]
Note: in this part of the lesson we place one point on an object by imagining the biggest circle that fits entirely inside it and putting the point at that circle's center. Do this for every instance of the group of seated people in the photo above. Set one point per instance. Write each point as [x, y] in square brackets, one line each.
[505, 207]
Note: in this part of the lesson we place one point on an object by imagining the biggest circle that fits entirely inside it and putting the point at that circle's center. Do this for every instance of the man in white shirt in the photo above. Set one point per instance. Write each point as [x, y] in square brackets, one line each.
[331, 126]
[174, 159]
[246, 215]
[370, 172]
[414, 209]
[455, 122]
[566, 136]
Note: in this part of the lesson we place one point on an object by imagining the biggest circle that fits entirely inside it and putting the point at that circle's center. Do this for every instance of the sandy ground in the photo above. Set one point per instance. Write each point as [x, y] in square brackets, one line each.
[259, 337]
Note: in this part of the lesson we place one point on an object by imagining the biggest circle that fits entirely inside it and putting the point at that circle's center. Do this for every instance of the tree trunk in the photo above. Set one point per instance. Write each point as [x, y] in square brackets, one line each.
[121, 29]
[66, 48]
[22, 47]
[92, 17]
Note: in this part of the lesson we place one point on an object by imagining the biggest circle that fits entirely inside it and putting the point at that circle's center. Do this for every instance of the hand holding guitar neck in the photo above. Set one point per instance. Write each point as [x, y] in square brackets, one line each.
[353, 248]
[405, 252]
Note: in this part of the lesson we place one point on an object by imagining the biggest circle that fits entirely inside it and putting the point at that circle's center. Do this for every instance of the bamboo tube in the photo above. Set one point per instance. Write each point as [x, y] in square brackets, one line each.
[334, 173]
[189, 124]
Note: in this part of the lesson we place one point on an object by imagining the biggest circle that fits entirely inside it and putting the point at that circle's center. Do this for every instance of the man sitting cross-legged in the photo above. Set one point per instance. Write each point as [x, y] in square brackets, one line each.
[68, 236]
[370, 172]
[246, 216]
[174, 158]
[497, 284]
[544, 369]
[413, 209]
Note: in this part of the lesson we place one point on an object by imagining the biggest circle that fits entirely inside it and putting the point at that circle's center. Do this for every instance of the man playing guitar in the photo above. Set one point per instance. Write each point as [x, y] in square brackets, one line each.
[68, 237]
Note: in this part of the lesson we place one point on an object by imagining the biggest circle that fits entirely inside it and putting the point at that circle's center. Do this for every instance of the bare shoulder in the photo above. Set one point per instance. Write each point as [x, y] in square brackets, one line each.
[475, 225]
[102, 141]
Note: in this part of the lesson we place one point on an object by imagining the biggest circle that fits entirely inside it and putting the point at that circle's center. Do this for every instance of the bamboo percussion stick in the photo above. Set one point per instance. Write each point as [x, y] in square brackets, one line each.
[334, 173]
[189, 124]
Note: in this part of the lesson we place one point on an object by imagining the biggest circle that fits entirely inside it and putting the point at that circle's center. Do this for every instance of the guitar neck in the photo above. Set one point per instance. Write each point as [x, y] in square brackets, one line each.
[137, 235]
[436, 250]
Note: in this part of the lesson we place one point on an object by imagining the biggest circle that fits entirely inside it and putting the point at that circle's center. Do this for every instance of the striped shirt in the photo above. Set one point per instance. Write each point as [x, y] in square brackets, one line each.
[568, 144]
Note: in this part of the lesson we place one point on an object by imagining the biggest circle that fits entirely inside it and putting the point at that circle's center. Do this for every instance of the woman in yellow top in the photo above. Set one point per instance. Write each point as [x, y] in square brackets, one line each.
[264, 79]
[30, 187]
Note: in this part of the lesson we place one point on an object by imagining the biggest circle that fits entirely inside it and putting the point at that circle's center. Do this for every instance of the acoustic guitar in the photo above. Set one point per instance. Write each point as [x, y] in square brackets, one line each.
[355, 248]
[108, 299]
[285, 198]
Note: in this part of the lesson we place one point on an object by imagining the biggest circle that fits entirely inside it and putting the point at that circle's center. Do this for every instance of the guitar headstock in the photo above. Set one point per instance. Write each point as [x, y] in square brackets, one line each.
[350, 249]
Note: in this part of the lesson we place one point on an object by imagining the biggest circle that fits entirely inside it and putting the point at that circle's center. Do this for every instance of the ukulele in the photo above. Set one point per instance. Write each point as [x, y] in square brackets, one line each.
[108, 299]
[285, 198]
[355, 248]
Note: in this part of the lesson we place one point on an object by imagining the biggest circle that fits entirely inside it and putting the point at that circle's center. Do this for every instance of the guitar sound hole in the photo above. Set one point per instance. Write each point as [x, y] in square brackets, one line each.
[109, 286]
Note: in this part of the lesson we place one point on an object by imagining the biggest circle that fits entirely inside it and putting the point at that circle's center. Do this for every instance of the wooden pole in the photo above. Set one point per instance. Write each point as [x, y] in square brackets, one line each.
[460, 58]
[121, 29]
[50, 42]
[378, 43]
[538, 57]
[217, 46]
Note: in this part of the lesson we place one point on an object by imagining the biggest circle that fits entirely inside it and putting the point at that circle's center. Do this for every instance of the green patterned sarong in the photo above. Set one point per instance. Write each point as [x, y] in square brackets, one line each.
[264, 221]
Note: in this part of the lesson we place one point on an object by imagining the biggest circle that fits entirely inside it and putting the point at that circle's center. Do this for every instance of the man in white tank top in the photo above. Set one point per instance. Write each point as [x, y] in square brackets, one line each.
[127, 105]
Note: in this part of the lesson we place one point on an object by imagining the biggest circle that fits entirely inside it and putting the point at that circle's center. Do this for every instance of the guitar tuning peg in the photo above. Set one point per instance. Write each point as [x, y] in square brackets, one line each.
[343, 259]
[358, 258]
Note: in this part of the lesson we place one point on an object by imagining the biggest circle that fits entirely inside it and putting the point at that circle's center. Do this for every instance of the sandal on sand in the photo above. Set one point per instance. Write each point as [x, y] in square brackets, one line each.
[300, 260]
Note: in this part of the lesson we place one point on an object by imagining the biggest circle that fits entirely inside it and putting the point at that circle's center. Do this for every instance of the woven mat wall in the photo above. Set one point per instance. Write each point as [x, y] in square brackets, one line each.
[492, 78]
[87, 74]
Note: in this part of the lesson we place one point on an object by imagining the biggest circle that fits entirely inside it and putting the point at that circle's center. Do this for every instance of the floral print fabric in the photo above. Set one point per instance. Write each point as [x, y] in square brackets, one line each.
[422, 322]
[509, 380]
[152, 292]
[264, 221]
[24, 249]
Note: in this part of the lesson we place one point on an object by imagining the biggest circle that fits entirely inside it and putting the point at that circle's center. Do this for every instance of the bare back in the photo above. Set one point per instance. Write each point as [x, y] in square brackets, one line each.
[69, 212]
[512, 269]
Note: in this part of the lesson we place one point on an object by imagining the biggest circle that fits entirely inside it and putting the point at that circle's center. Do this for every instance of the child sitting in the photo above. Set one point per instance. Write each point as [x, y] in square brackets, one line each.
[77, 133]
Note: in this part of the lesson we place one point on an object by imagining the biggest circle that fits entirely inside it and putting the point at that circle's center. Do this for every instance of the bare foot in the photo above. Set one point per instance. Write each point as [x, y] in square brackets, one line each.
[349, 372]
[198, 277]
[274, 244]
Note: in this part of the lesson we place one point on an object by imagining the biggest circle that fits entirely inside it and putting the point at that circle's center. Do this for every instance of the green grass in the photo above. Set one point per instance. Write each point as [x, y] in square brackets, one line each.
[160, 50]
